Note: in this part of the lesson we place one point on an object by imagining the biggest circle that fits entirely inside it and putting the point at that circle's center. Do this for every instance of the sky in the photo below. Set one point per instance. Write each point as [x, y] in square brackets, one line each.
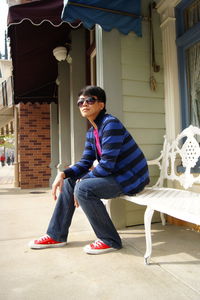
[3, 23]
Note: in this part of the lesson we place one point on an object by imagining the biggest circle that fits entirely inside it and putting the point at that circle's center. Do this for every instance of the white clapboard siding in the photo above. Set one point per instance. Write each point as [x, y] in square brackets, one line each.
[144, 120]
[149, 136]
[139, 72]
[143, 109]
[143, 104]
[142, 89]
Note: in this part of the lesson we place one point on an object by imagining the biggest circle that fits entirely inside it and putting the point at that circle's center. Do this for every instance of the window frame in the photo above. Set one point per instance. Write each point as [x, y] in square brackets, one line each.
[185, 39]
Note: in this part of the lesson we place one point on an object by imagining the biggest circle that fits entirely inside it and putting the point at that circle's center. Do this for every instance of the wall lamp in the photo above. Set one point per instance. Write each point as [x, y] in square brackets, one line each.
[61, 54]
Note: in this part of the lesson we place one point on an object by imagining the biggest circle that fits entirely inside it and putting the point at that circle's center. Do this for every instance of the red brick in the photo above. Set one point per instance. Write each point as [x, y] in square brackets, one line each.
[34, 145]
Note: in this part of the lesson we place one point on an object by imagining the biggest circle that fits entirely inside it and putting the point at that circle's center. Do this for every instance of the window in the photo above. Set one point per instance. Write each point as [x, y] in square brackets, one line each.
[188, 46]
[192, 14]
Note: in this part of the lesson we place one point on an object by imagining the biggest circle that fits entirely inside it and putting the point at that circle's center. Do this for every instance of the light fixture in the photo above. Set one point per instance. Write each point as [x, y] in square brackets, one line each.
[57, 81]
[60, 53]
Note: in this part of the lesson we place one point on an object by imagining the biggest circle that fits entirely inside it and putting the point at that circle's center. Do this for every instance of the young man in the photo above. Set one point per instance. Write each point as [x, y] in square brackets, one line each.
[121, 169]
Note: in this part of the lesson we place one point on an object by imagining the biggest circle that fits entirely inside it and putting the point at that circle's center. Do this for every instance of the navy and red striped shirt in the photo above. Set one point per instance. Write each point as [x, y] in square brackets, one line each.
[120, 156]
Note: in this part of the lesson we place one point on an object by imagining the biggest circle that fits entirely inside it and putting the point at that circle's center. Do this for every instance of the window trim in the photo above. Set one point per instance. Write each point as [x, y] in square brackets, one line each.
[184, 41]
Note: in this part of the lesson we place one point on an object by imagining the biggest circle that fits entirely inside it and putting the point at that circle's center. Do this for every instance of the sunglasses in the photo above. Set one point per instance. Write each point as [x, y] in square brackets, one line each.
[89, 101]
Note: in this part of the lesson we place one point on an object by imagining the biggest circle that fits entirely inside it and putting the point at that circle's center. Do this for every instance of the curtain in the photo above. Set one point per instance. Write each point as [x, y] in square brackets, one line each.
[192, 14]
[194, 83]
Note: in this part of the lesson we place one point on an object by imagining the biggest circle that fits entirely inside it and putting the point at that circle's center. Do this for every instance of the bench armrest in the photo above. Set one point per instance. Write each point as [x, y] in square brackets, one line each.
[157, 161]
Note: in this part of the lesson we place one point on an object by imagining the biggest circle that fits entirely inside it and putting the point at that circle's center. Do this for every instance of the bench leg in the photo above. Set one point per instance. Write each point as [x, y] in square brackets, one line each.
[147, 224]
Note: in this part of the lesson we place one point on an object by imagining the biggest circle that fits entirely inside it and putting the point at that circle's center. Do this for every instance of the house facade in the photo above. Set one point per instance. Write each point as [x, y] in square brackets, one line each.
[147, 80]
[6, 105]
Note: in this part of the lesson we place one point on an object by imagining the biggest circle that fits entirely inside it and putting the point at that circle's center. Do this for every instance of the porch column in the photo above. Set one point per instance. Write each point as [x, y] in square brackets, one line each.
[172, 98]
[54, 141]
[64, 115]
[77, 82]
[16, 161]
[108, 46]
[109, 76]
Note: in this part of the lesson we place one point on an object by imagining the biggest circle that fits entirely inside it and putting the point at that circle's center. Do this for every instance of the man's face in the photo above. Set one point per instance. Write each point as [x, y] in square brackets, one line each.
[89, 106]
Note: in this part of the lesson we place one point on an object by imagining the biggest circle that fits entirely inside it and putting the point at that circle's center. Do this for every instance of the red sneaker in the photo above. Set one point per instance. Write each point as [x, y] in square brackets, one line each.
[45, 242]
[98, 247]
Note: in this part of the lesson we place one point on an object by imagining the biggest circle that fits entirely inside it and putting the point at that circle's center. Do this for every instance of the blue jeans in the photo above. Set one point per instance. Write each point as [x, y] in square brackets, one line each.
[88, 192]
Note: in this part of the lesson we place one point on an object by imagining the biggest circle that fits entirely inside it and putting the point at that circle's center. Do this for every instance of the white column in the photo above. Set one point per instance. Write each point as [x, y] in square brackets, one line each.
[172, 97]
[16, 162]
[77, 82]
[54, 141]
[64, 115]
[109, 75]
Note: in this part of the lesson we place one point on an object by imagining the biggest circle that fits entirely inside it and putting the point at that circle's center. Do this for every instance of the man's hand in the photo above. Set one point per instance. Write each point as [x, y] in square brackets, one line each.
[76, 204]
[58, 183]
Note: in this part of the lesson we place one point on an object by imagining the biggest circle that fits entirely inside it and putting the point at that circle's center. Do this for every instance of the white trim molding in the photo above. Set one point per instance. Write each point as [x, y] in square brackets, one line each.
[166, 9]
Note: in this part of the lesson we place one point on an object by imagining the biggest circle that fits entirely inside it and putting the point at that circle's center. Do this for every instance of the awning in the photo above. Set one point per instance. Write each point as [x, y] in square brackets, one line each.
[36, 11]
[109, 14]
[35, 29]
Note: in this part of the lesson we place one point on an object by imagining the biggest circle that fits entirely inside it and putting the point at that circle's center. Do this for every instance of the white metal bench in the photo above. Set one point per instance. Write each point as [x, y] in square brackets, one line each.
[183, 204]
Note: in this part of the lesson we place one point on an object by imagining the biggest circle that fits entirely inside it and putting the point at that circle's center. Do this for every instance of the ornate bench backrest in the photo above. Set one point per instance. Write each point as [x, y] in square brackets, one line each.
[184, 151]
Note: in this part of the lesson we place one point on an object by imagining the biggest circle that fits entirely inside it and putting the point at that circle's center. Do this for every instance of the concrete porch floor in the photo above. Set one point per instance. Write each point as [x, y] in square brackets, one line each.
[69, 273]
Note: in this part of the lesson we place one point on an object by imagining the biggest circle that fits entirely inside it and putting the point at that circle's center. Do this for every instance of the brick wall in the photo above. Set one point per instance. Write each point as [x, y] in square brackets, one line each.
[34, 145]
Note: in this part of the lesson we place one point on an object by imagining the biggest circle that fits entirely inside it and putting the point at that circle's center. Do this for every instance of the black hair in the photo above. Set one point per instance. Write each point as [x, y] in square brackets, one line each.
[92, 90]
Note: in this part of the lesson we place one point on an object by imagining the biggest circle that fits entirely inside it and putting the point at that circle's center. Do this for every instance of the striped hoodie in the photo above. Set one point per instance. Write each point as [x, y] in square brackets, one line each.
[121, 156]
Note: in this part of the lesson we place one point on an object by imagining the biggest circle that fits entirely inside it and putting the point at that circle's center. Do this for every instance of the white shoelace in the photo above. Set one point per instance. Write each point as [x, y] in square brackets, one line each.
[97, 243]
[43, 238]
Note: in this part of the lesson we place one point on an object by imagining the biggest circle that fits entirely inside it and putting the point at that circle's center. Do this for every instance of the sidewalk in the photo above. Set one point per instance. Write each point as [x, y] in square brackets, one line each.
[69, 273]
[6, 174]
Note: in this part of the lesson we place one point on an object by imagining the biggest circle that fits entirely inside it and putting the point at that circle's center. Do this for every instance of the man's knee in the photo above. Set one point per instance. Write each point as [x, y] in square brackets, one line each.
[81, 190]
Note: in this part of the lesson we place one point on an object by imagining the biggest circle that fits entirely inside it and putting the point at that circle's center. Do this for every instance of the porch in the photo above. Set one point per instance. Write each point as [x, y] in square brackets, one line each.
[68, 273]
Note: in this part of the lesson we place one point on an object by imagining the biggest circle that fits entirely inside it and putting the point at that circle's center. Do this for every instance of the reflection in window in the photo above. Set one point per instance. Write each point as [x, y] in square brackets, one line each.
[193, 72]
[192, 14]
